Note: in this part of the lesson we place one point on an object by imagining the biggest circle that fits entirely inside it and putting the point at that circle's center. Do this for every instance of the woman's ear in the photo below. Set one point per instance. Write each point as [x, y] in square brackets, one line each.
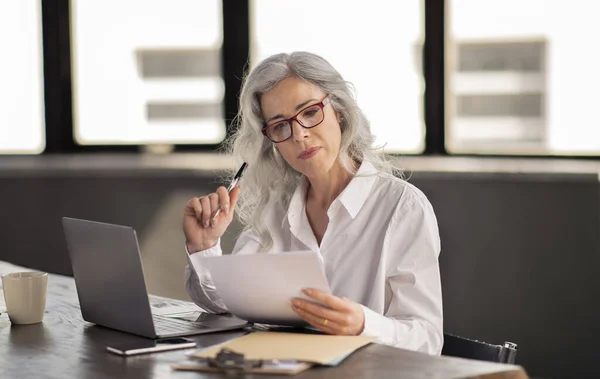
[340, 118]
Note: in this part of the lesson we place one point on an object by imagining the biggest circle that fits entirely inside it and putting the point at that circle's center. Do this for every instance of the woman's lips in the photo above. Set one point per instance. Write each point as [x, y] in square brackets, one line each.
[309, 153]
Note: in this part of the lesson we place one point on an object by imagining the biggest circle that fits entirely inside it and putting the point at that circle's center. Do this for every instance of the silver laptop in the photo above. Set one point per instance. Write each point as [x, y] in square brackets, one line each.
[111, 288]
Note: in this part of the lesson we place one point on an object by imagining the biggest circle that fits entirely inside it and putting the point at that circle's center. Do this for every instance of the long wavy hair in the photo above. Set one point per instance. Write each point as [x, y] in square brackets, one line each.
[268, 177]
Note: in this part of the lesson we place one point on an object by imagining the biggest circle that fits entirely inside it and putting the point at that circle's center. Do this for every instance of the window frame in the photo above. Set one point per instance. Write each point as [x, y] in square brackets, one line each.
[235, 53]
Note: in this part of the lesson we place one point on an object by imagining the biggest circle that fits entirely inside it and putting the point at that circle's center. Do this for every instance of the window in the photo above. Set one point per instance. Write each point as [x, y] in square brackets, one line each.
[373, 45]
[21, 78]
[147, 72]
[519, 80]
[499, 91]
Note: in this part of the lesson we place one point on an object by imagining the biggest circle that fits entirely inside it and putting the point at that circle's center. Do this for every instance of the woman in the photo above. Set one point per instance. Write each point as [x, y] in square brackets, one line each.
[314, 183]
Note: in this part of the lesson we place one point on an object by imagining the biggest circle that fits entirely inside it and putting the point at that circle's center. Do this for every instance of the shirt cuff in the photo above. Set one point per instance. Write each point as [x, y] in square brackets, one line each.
[373, 323]
[195, 258]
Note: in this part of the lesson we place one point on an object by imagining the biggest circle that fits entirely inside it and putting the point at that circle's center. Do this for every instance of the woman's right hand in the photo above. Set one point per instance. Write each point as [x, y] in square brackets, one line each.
[201, 232]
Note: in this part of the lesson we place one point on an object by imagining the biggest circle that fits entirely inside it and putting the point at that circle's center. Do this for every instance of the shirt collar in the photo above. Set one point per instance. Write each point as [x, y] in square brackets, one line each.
[296, 204]
[355, 194]
[352, 197]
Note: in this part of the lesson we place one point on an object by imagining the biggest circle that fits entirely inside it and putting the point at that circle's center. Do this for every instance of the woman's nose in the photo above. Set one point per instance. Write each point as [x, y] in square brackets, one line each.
[300, 132]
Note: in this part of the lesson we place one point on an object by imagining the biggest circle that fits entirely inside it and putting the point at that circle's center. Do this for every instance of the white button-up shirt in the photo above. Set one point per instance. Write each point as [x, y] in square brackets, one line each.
[380, 250]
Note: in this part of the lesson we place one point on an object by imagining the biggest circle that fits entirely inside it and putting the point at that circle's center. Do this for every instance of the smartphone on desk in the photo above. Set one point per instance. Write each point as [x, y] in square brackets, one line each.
[150, 346]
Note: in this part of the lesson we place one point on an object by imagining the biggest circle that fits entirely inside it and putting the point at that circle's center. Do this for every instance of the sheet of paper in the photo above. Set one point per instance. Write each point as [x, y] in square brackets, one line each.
[314, 348]
[260, 287]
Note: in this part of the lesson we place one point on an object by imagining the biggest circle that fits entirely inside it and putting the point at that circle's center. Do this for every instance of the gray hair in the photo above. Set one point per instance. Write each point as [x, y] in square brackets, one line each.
[268, 177]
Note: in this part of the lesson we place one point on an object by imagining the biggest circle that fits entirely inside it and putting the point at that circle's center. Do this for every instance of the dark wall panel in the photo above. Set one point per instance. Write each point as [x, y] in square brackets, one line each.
[521, 262]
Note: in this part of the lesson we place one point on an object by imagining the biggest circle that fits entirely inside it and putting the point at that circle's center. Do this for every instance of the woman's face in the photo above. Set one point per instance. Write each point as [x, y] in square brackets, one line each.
[313, 151]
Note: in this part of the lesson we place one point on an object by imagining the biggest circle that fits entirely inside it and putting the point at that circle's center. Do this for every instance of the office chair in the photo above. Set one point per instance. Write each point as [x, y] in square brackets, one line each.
[462, 347]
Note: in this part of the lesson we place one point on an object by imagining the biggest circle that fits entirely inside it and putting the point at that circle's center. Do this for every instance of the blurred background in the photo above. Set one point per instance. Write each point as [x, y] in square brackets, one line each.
[115, 111]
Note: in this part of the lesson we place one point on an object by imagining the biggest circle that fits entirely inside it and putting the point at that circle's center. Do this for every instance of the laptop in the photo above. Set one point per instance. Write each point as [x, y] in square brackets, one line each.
[107, 268]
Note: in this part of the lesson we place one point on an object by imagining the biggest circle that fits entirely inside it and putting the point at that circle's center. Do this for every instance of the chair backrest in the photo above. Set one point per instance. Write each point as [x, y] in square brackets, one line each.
[462, 347]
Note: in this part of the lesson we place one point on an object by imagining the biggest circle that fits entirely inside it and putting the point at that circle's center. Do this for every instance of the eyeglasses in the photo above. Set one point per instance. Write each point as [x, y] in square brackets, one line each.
[308, 117]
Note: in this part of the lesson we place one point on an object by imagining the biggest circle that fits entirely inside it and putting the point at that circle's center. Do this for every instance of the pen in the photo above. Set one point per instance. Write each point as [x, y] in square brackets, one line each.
[232, 185]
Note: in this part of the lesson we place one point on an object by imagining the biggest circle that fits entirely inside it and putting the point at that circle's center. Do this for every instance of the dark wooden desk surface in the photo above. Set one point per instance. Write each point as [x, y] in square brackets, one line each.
[65, 346]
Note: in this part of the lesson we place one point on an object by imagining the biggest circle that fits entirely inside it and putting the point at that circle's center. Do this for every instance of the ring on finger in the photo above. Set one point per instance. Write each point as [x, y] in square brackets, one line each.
[325, 322]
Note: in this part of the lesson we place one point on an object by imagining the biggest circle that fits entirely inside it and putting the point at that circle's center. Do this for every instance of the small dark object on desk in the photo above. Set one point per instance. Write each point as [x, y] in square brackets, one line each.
[228, 359]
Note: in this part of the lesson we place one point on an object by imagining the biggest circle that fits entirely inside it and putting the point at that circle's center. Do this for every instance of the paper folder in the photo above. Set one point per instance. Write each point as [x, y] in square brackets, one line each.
[310, 348]
[277, 368]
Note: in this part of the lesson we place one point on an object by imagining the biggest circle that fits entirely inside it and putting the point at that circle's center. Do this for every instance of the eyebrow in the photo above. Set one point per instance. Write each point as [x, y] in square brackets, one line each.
[298, 107]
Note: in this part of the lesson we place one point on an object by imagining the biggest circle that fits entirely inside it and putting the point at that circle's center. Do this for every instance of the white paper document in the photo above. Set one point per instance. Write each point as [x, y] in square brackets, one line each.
[260, 287]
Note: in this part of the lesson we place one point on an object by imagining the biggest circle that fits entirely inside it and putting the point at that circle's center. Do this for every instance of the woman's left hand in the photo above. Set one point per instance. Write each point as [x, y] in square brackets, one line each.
[343, 317]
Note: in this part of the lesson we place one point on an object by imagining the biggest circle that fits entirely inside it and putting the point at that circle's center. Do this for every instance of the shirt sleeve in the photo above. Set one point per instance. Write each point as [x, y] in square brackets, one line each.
[414, 318]
[199, 284]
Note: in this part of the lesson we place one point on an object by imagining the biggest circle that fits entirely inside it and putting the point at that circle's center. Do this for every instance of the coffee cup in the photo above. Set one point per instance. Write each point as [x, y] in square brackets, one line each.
[25, 296]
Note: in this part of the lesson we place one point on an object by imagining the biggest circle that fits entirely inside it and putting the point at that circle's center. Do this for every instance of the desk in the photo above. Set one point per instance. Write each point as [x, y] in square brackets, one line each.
[65, 346]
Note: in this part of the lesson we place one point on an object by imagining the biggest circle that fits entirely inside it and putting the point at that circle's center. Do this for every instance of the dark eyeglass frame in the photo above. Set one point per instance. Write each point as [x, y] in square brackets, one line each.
[326, 100]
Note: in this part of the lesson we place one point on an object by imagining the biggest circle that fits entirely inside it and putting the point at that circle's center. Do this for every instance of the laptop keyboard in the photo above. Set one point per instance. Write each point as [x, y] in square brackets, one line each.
[168, 325]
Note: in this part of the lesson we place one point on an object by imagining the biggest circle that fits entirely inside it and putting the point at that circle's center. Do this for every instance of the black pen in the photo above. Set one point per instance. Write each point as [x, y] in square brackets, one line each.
[232, 185]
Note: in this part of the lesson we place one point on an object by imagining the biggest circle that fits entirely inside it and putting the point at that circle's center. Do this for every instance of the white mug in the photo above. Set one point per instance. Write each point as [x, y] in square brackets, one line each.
[25, 296]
